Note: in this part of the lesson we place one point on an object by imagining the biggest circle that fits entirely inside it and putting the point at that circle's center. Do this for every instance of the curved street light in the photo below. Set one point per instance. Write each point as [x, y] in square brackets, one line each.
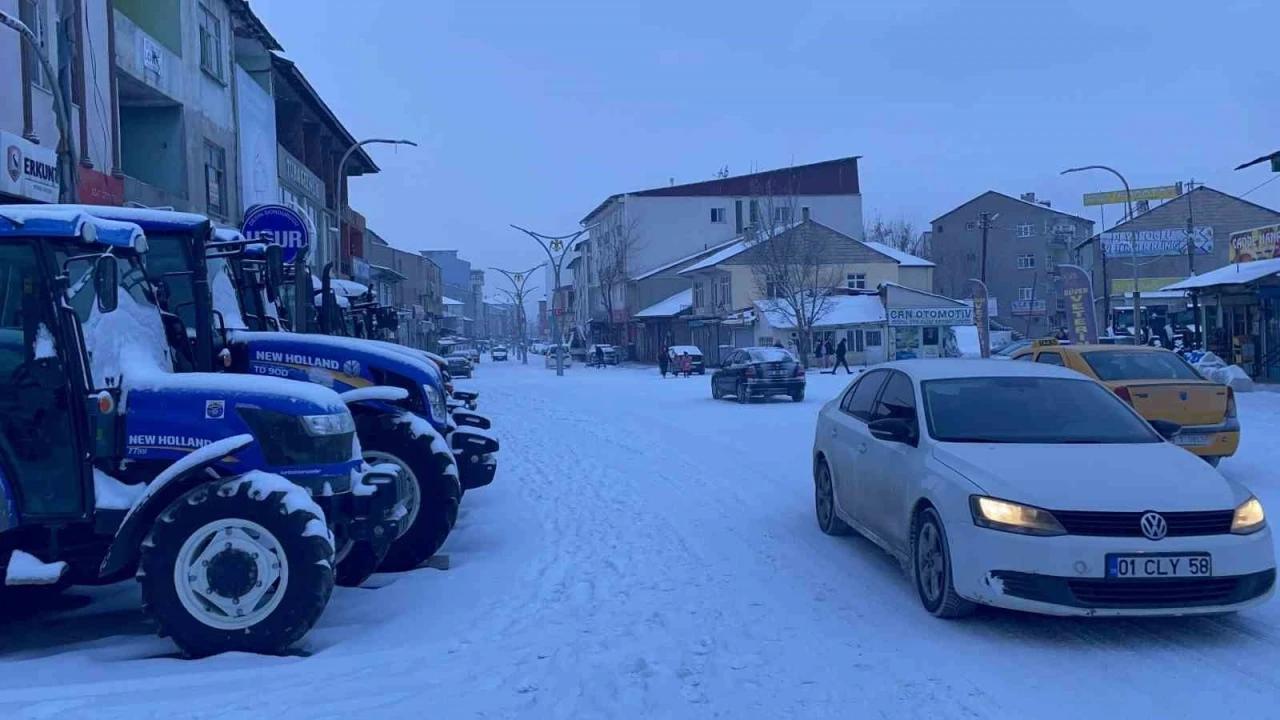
[1133, 245]
[518, 280]
[556, 247]
[342, 177]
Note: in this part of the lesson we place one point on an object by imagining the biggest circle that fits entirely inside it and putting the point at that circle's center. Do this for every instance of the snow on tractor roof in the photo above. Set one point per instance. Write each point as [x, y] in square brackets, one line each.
[153, 219]
[68, 221]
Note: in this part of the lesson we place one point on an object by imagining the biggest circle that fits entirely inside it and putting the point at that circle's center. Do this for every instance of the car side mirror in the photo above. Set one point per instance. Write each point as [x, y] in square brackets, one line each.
[1168, 430]
[893, 430]
[106, 283]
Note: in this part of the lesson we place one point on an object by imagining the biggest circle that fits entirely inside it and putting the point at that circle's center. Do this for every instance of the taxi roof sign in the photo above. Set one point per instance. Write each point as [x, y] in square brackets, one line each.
[1045, 342]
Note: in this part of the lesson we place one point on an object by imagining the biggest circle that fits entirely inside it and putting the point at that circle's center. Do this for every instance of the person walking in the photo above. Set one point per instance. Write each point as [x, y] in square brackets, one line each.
[686, 364]
[841, 349]
[822, 356]
[831, 351]
[599, 356]
[664, 358]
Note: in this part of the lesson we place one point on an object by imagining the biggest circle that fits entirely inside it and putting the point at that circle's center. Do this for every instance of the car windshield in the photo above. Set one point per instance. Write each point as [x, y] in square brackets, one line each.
[130, 338]
[1029, 410]
[1116, 365]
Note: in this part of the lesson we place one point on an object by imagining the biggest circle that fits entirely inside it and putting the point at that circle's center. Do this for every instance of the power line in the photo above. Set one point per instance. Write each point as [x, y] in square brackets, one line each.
[1261, 185]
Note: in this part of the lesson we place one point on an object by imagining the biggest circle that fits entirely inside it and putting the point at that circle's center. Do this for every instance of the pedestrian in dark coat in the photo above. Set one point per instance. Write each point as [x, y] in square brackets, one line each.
[664, 358]
[841, 349]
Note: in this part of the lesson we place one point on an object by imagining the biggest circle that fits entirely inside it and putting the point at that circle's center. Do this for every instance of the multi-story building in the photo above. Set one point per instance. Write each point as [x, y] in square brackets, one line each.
[481, 313]
[29, 134]
[410, 283]
[455, 283]
[633, 233]
[1026, 240]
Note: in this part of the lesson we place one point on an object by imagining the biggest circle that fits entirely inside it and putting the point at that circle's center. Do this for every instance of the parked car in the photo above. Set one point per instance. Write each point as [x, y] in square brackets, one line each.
[1160, 385]
[474, 355]
[1006, 351]
[499, 353]
[459, 364]
[551, 357]
[759, 372]
[695, 354]
[1031, 487]
[609, 351]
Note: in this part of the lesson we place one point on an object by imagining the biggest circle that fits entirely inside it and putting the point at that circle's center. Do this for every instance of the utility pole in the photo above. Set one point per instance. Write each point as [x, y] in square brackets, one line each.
[556, 248]
[1191, 263]
[518, 280]
[984, 221]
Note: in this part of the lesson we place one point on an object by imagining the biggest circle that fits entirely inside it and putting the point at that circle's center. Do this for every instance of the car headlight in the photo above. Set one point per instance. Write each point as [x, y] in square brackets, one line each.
[1249, 517]
[1012, 517]
[335, 424]
[435, 402]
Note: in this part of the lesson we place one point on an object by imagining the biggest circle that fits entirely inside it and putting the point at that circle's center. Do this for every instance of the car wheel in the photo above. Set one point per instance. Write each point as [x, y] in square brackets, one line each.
[931, 568]
[1213, 461]
[798, 395]
[715, 391]
[824, 501]
[743, 397]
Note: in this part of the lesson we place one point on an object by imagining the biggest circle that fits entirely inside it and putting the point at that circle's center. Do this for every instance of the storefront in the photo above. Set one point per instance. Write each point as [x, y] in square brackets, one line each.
[30, 171]
[304, 191]
[1240, 305]
[920, 324]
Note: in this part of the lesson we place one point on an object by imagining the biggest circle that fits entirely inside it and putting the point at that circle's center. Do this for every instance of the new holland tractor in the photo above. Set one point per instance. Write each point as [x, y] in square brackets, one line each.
[228, 497]
[397, 401]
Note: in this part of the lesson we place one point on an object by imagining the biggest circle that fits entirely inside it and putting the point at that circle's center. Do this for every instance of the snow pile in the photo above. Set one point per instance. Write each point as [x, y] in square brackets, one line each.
[44, 347]
[27, 569]
[111, 494]
[130, 338]
[1217, 370]
[374, 392]
[208, 454]
[226, 300]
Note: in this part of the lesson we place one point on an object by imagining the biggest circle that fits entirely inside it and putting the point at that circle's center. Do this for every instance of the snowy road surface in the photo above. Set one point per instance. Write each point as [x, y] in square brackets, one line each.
[649, 552]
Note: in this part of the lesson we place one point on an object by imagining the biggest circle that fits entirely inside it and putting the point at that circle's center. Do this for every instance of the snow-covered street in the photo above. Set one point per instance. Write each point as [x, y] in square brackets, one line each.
[648, 552]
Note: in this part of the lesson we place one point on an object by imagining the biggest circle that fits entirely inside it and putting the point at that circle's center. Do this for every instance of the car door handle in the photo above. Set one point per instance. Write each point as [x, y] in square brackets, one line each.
[834, 432]
[862, 448]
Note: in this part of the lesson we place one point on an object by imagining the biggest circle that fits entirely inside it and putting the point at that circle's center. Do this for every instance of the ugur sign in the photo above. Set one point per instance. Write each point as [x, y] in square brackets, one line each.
[278, 225]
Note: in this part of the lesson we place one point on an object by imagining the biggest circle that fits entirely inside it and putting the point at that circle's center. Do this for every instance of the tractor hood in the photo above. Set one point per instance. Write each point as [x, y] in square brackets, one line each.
[166, 416]
[342, 364]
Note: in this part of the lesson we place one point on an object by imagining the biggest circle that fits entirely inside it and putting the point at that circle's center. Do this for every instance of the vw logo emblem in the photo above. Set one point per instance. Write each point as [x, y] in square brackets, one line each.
[1154, 526]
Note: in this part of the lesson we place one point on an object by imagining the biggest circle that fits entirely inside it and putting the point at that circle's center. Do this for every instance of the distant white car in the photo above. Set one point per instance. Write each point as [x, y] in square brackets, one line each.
[499, 353]
[551, 357]
[1029, 486]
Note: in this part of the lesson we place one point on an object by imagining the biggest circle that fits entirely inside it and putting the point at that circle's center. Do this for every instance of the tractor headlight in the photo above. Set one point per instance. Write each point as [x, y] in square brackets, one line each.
[335, 424]
[435, 403]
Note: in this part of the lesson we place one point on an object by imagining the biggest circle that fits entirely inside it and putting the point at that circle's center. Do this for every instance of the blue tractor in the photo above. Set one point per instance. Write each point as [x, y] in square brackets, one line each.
[226, 496]
[397, 399]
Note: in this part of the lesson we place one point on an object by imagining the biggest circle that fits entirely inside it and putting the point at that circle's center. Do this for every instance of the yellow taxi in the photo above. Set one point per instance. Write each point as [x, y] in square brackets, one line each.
[1160, 385]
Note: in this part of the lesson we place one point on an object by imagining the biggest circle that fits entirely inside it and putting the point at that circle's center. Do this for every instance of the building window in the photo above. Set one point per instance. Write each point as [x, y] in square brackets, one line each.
[718, 215]
[1026, 230]
[873, 338]
[35, 15]
[781, 216]
[1026, 293]
[720, 292]
[856, 281]
[754, 213]
[210, 43]
[215, 179]
[1026, 262]
[971, 225]
[698, 295]
[937, 229]
[970, 256]
[1061, 305]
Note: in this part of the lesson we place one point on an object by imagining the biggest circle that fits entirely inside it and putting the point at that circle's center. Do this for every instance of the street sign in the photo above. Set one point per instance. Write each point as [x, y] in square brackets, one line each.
[278, 225]
[1117, 197]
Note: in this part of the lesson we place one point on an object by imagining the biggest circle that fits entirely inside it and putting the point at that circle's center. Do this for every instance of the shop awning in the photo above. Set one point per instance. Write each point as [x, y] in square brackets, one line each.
[837, 311]
[1237, 274]
[387, 272]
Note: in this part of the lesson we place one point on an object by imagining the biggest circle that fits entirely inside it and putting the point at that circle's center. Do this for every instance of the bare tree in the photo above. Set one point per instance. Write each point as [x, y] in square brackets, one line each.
[899, 234]
[791, 264]
[613, 251]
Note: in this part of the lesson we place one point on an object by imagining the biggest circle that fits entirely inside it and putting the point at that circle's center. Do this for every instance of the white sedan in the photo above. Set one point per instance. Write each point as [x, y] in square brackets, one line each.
[1031, 487]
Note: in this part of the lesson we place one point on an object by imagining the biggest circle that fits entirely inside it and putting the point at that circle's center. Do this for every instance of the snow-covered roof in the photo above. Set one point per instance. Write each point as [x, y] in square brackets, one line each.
[669, 307]
[1237, 274]
[341, 288]
[685, 259]
[146, 217]
[839, 310]
[905, 259]
[68, 221]
[450, 301]
[738, 246]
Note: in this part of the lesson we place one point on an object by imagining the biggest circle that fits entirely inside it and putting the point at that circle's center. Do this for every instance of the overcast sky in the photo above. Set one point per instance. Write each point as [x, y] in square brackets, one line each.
[533, 112]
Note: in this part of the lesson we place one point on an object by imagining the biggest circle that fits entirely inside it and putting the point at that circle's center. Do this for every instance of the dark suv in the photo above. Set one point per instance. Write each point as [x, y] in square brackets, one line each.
[758, 372]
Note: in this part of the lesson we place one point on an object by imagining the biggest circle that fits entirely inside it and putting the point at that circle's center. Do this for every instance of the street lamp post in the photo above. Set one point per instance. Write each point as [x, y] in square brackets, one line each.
[556, 248]
[518, 280]
[68, 172]
[342, 177]
[1133, 246]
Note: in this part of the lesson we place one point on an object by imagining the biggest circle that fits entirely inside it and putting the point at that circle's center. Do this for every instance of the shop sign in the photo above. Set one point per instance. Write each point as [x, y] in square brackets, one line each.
[279, 225]
[1256, 244]
[30, 170]
[1029, 307]
[1119, 197]
[295, 173]
[1154, 243]
[1077, 291]
[911, 317]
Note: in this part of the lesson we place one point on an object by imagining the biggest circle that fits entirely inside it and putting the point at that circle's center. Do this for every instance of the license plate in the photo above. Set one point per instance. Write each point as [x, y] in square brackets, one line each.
[1191, 440]
[777, 373]
[1159, 566]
